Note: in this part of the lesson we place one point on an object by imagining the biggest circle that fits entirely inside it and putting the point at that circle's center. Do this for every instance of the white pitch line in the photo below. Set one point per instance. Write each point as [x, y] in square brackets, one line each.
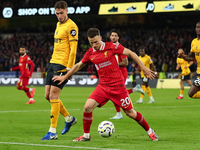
[21, 111]
[75, 147]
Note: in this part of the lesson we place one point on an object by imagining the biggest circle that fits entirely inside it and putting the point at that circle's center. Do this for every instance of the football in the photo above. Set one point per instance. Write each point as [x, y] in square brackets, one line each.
[106, 128]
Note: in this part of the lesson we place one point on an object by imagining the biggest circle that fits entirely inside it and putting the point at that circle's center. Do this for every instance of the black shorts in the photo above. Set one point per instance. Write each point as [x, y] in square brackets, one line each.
[197, 81]
[55, 70]
[145, 80]
[184, 78]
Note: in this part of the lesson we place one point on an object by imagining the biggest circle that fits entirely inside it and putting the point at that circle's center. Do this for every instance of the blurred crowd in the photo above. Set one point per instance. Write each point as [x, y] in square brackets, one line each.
[160, 44]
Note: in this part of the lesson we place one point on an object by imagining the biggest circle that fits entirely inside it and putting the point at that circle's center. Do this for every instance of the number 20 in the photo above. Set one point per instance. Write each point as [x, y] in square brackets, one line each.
[125, 101]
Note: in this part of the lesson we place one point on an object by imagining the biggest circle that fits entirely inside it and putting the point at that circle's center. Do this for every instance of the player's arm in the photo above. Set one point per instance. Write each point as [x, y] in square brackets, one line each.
[124, 62]
[154, 69]
[30, 62]
[72, 71]
[178, 66]
[135, 57]
[72, 55]
[189, 57]
[14, 68]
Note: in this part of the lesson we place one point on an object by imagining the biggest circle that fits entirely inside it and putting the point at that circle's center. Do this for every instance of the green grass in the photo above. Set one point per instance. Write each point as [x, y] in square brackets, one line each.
[22, 126]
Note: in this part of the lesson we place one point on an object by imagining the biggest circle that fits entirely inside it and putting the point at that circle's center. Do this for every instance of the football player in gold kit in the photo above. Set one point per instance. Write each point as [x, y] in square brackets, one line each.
[63, 59]
[185, 74]
[194, 91]
[146, 59]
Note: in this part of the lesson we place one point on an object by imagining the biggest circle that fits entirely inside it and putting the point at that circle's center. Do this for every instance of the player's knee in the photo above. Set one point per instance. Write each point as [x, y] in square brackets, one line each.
[19, 87]
[190, 94]
[87, 109]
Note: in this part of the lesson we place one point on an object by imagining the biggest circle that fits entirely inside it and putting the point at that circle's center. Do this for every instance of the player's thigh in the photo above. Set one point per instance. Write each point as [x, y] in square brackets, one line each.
[121, 98]
[19, 82]
[100, 95]
[47, 92]
[189, 82]
[25, 81]
[54, 92]
[90, 105]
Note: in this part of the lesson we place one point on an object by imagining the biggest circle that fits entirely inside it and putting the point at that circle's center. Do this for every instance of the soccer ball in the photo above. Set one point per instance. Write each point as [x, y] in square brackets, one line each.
[106, 128]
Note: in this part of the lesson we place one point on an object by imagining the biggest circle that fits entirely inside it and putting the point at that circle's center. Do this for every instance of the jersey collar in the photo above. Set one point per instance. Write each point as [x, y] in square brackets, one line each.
[101, 48]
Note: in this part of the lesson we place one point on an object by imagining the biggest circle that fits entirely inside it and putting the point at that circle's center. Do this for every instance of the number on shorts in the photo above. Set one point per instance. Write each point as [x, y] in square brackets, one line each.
[182, 77]
[126, 101]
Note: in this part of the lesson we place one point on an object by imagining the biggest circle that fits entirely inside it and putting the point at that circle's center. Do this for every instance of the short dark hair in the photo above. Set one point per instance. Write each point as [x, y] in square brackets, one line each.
[61, 5]
[115, 31]
[92, 32]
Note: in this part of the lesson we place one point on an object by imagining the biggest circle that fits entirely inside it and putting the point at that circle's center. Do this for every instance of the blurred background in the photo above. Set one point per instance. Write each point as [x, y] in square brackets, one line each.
[161, 27]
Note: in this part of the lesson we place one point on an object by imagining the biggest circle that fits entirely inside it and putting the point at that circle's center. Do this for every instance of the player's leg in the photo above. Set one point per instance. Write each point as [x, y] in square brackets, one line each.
[149, 93]
[181, 89]
[119, 114]
[90, 105]
[99, 97]
[122, 99]
[142, 122]
[30, 92]
[144, 80]
[194, 91]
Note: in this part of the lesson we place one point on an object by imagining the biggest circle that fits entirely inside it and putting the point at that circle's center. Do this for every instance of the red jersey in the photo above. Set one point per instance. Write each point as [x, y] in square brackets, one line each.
[123, 69]
[106, 63]
[24, 62]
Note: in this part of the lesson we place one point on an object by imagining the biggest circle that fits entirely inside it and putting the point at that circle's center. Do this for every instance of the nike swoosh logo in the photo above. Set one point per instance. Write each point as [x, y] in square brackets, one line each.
[93, 58]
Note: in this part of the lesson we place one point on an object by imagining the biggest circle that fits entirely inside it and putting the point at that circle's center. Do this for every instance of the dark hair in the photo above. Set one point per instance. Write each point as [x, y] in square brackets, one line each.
[92, 32]
[115, 31]
[60, 5]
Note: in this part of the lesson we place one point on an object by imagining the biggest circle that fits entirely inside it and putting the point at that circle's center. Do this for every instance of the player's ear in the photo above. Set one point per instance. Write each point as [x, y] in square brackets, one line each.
[101, 37]
[66, 11]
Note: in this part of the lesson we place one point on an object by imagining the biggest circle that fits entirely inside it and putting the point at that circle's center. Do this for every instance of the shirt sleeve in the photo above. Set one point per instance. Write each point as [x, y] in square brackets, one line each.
[177, 60]
[118, 48]
[192, 50]
[123, 56]
[72, 32]
[86, 59]
[150, 60]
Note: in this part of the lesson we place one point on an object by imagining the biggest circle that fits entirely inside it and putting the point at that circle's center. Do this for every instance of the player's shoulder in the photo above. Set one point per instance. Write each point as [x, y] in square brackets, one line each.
[112, 45]
[70, 22]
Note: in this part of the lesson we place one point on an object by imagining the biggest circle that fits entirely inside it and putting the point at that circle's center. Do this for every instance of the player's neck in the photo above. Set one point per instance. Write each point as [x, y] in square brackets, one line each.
[64, 20]
[23, 55]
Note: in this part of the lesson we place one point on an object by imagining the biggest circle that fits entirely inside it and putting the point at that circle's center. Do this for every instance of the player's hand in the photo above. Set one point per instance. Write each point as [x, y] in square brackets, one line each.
[58, 78]
[11, 69]
[149, 73]
[180, 53]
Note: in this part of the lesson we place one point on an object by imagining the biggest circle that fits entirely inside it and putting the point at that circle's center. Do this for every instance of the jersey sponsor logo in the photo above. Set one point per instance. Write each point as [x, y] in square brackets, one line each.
[104, 64]
[105, 54]
[73, 32]
[57, 40]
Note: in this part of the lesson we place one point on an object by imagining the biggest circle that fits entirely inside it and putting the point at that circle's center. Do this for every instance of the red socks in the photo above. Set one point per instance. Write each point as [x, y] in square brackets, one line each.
[87, 121]
[140, 120]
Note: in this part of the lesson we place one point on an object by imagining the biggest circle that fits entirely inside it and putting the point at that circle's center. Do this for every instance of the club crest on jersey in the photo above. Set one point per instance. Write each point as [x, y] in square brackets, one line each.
[21, 60]
[73, 32]
[105, 54]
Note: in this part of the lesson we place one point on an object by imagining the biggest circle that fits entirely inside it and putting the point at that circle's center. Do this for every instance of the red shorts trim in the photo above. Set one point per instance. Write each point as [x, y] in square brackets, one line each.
[118, 96]
[23, 81]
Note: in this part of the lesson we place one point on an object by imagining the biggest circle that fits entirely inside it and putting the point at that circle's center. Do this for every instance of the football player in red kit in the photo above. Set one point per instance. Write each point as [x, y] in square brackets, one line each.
[24, 62]
[111, 83]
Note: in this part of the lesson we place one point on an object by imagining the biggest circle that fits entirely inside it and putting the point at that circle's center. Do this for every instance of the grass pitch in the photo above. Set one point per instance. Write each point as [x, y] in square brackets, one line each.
[175, 121]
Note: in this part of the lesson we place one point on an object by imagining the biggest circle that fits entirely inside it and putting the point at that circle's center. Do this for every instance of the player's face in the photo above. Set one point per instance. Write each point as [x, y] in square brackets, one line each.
[95, 42]
[197, 29]
[114, 37]
[22, 51]
[142, 52]
[61, 15]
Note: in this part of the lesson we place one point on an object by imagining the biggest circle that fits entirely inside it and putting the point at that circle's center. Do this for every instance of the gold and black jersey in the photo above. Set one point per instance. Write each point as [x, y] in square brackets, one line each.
[64, 34]
[195, 48]
[146, 59]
